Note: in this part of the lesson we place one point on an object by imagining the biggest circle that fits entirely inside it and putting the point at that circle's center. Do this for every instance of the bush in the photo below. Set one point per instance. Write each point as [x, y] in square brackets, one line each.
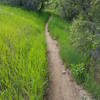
[79, 72]
[84, 35]
[95, 10]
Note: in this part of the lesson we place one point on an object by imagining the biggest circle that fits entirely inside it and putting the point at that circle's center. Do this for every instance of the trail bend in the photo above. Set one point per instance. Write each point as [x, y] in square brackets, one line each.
[61, 85]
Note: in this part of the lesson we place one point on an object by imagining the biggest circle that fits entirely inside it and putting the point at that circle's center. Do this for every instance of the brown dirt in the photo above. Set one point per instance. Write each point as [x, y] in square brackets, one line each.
[61, 85]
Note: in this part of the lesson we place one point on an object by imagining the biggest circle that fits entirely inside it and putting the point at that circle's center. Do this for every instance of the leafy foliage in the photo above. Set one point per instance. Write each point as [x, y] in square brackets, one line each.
[79, 72]
[72, 52]
[95, 11]
[28, 4]
[72, 8]
[81, 38]
[60, 30]
[84, 35]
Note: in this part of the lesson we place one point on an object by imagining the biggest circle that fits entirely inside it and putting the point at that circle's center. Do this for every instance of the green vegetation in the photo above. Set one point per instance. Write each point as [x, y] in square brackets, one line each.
[60, 30]
[36, 5]
[75, 59]
[79, 40]
[23, 63]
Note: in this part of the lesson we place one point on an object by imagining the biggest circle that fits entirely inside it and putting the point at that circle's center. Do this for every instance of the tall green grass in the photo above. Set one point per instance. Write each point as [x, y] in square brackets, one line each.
[23, 63]
[60, 30]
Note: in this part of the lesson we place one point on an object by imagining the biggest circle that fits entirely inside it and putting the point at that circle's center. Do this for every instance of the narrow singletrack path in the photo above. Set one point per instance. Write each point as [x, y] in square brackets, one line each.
[61, 86]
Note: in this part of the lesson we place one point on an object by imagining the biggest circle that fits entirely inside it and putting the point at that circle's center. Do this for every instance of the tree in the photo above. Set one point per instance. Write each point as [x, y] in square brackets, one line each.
[67, 9]
[72, 8]
[28, 4]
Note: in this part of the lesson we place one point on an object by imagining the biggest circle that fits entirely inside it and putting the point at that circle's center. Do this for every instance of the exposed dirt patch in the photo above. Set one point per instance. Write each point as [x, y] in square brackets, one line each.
[61, 85]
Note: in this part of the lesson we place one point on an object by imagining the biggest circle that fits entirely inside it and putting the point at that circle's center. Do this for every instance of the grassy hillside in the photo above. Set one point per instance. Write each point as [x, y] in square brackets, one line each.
[60, 30]
[23, 64]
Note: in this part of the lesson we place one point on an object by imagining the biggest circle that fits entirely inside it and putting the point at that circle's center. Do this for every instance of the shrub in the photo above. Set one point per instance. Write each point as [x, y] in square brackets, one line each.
[84, 35]
[79, 72]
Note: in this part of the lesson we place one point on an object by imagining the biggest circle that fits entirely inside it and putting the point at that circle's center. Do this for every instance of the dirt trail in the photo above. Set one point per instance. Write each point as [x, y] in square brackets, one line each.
[61, 86]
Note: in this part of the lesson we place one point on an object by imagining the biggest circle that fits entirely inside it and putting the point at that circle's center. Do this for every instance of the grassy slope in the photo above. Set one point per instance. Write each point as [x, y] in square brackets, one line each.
[23, 64]
[60, 30]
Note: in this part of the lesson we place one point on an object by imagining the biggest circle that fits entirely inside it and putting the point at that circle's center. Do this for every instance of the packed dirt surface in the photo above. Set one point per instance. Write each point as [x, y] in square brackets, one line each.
[61, 85]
